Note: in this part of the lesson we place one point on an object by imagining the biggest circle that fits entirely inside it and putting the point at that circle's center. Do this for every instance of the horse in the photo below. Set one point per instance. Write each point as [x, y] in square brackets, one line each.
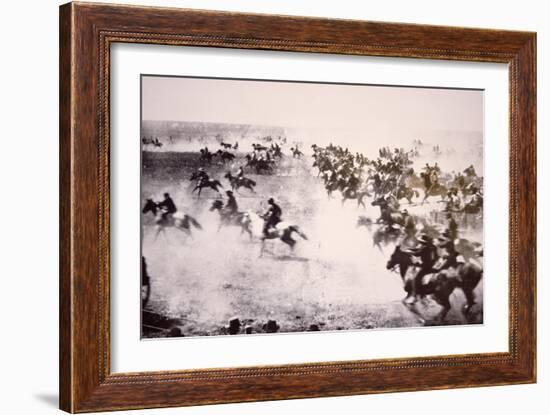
[178, 220]
[151, 141]
[277, 152]
[206, 156]
[240, 219]
[296, 153]
[432, 188]
[210, 184]
[205, 183]
[237, 182]
[225, 156]
[333, 185]
[282, 231]
[355, 194]
[440, 284]
[406, 192]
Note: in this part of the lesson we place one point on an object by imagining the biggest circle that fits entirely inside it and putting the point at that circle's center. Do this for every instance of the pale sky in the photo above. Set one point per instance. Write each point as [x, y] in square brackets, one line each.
[303, 105]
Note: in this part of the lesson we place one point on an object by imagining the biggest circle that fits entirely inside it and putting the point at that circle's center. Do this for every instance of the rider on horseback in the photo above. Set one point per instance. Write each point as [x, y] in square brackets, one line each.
[427, 252]
[202, 176]
[167, 206]
[447, 242]
[272, 217]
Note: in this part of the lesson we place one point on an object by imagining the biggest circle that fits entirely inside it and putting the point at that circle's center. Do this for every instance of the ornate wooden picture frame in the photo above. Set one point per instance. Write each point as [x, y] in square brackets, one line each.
[87, 32]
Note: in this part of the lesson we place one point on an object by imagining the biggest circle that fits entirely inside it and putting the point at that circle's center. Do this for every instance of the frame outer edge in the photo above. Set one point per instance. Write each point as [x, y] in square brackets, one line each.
[528, 130]
[82, 388]
[66, 120]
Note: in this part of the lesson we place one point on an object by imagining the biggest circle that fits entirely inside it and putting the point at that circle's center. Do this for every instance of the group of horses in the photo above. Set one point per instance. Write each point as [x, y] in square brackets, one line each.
[403, 230]
[263, 158]
[249, 222]
[391, 178]
[342, 171]
[207, 156]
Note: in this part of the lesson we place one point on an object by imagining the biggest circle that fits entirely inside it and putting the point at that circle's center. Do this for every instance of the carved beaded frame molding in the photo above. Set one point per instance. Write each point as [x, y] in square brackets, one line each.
[86, 33]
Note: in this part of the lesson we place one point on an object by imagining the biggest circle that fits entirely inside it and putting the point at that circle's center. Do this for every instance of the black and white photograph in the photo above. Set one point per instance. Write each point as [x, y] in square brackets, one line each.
[281, 206]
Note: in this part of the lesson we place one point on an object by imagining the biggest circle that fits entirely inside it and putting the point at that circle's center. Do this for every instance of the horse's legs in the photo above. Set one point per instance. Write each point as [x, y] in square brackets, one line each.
[412, 309]
[470, 300]
[446, 307]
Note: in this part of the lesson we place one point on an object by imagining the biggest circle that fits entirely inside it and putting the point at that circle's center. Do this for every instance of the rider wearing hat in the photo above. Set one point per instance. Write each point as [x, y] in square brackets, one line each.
[427, 252]
[272, 217]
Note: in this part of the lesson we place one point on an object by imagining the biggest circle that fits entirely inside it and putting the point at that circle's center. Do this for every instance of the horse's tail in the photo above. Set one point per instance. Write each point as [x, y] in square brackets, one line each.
[194, 222]
[299, 232]
[217, 183]
[252, 182]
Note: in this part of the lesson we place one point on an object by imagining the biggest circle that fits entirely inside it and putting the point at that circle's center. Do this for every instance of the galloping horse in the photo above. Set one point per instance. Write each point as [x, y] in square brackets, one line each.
[406, 192]
[282, 231]
[296, 153]
[350, 194]
[205, 183]
[206, 156]
[225, 156]
[237, 182]
[240, 219]
[178, 220]
[440, 285]
[431, 188]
